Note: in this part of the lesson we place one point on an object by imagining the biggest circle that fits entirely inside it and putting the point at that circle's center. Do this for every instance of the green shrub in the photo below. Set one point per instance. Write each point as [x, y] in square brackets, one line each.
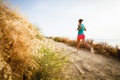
[51, 64]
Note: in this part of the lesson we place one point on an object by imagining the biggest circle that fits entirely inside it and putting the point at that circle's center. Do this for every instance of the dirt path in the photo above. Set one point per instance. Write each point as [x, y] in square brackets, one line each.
[87, 66]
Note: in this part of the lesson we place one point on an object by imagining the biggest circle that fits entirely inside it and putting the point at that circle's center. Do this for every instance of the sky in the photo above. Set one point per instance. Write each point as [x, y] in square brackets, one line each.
[60, 17]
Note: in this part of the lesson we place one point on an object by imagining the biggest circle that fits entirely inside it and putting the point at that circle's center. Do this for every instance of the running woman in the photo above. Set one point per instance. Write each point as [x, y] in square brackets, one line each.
[81, 36]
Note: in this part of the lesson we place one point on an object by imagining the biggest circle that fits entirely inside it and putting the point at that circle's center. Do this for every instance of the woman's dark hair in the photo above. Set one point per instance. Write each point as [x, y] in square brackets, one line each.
[80, 20]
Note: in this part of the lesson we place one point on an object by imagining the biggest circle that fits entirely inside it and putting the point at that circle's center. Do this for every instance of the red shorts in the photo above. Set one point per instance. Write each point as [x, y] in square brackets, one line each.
[81, 36]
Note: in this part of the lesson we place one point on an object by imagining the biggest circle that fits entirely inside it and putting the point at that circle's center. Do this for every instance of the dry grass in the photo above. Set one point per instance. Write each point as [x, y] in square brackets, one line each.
[16, 35]
[60, 39]
[19, 55]
[100, 48]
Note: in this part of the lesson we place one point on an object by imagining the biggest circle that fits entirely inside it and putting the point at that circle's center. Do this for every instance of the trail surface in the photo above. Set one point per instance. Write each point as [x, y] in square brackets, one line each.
[85, 65]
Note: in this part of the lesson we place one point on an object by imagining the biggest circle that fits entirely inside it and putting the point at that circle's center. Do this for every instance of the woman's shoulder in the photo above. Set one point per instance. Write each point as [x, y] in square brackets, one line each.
[82, 25]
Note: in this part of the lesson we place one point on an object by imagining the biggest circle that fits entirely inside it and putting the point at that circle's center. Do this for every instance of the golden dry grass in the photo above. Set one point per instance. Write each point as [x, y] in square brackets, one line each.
[16, 35]
[19, 45]
[100, 48]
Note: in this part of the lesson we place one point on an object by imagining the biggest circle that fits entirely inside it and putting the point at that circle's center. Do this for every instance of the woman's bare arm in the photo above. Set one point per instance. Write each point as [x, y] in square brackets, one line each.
[79, 27]
[85, 29]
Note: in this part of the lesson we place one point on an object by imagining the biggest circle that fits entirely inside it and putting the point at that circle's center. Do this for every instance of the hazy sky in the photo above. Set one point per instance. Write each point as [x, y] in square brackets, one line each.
[60, 17]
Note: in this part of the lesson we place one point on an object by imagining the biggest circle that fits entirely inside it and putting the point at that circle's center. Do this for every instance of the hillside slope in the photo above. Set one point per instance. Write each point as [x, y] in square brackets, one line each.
[17, 37]
[85, 65]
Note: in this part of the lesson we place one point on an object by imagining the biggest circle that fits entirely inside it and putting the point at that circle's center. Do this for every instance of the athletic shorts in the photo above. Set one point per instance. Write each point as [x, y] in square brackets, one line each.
[81, 36]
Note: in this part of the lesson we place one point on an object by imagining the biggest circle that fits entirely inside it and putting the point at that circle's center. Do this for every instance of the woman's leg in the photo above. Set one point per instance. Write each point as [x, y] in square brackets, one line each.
[78, 43]
[84, 42]
[87, 45]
